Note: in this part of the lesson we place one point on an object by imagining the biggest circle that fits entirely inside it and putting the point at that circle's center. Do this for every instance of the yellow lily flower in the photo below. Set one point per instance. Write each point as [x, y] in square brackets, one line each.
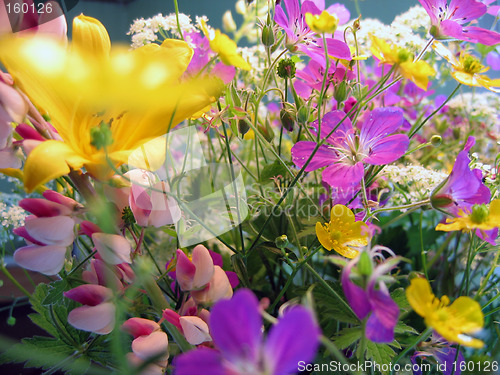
[342, 232]
[416, 71]
[453, 322]
[467, 68]
[88, 87]
[225, 47]
[323, 23]
[481, 217]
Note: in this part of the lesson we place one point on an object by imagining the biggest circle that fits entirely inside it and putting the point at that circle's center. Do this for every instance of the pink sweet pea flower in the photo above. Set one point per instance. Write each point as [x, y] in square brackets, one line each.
[196, 273]
[450, 21]
[217, 289]
[149, 341]
[194, 329]
[98, 313]
[149, 201]
[48, 260]
[113, 248]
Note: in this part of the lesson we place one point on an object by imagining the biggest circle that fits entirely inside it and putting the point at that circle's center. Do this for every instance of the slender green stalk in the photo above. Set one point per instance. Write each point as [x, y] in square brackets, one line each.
[329, 288]
[424, 335]
[176, 5]
[418, 127]
[13, 280]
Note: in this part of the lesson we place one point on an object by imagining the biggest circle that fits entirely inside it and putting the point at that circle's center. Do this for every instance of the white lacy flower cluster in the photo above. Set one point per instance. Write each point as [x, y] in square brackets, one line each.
[480, 106]
[12, 216]
[145, 31]
[414, 182]
[405, 31]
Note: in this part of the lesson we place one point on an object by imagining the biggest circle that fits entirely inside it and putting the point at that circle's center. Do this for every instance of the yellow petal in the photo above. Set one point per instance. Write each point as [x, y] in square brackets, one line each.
[227, 51]
[49, 160]
[323, 236]
[323, 23]
[346, 251]
[90, 36]
[467, 314]
[420, 296]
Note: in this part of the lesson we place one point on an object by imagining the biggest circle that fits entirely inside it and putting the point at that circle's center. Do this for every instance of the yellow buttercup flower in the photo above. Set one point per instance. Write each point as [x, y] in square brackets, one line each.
[416, 71]
[481, 217]
[323, 23]
[342, 232]
[225, 47]
[454, 322]
[467, 69]
[90, 87]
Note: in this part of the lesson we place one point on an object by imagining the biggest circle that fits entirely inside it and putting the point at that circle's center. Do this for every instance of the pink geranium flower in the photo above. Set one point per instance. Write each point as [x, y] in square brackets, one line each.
[346, 151]
[451, 21]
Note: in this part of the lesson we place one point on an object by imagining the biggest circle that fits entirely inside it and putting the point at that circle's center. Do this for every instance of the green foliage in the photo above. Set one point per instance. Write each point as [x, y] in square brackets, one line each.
[67, 349]
[381, 354]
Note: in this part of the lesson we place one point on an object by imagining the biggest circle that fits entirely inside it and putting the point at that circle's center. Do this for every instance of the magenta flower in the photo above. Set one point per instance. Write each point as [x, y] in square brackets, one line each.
[376, 304]
[346, 151]
[449, 20]
[464, 187]
[444, 354]
[300, 37]
[236, 329]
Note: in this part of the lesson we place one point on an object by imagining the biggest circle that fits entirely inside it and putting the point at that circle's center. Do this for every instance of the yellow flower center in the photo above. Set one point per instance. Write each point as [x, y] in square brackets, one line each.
[471, 64]
[480, 213]
[403, 55]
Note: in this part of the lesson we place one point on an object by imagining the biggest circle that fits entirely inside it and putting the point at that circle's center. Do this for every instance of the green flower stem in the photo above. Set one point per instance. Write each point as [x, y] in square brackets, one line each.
[418, 127]
[316, 148]
[403, 207]
[485, 281]
[332, 348]
[362, 344]
[424, 335]
[176, 5]
[160, 303]
[233, 178]
[329, 288]
[323, 86]
[13, 280]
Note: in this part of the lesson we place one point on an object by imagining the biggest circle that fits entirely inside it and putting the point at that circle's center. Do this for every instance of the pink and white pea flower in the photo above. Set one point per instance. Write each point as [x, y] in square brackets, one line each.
[194, 328]
[149, 341]
[195, 273]
[218, 288]
[98, 311]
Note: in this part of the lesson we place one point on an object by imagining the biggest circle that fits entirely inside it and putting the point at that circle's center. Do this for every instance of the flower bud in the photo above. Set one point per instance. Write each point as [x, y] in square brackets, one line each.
[286, 119]
[267, 36]
[365, 266]
[286, 68]
[243, 127]
[281, 241]
[228, 23]
[90, 36]
[303, 115]
[340, 94]
[436, 140]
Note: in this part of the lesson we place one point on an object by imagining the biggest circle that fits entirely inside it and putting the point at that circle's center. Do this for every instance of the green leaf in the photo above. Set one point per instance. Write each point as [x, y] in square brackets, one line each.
[55, 292]
[329, 307]
[399, 296]
[347, 337]
[381, 354]
[272, 170]
[403, 328]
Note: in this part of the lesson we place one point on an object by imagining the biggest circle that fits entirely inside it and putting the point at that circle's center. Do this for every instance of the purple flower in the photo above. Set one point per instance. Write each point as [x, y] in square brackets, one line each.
[445, 355]
[464, 187]
[311, 77]
[300, 37]
[345, 151]
[376, 304]
[448, 20]
[235, 326]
